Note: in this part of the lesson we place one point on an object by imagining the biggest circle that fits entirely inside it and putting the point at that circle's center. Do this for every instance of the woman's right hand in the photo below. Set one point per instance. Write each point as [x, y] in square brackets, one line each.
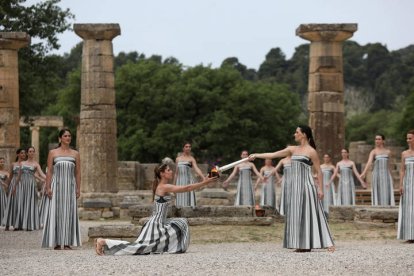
[48, 192]
[252, 157]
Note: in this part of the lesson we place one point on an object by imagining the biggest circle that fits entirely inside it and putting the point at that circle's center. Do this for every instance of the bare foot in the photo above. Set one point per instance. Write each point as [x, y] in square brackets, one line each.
[331, 249]
[99, 244]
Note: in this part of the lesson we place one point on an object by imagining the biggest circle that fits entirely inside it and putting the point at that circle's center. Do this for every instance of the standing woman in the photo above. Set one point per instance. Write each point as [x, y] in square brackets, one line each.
[245, 194]
[382, 184]
[306, 227]
[4, 175]
[159, 234]
[327, 169]
[406, 212]
[184, 177]
[12, 182]
[28, 210]
[63, 181]
[268, 191]
[346, 188]
[286, 167]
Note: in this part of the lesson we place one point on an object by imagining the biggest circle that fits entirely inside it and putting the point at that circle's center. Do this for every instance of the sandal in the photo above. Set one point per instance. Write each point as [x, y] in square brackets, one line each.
[98, 247]
[57, 247]
[302, 250]
[67, 247]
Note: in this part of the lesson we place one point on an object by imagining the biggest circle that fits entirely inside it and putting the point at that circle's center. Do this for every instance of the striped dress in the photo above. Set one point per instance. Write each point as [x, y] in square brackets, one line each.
[286, 185]
[3, 196]
[28, 212]
[268, 192]
[10, 213]
[184, 178]
[346, 187]
[306, 226]
[406, 211]
[245, 194]
[61, 224]
[42, 206]
[158, 235]
[328, 192]
[382, 184]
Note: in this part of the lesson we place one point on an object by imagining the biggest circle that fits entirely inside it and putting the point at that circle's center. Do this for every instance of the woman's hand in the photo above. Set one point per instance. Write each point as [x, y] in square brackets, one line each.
[320, 194]
[77, 193]
[401, 191]
[48, 192]
[252, 157]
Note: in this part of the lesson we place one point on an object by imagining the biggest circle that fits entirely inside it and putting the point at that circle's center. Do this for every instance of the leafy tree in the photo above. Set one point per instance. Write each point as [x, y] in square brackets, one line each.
[274, 67]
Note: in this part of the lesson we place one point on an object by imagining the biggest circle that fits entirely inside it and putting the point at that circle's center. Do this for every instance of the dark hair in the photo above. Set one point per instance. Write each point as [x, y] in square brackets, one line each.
[245, 150]
[380, 135]
[345, 149]
[61, 132]
[308, 132]
[157, 177]
[186, 142]
[327, 154]
[1, 157]
[18, 151]
[411, 131]
[31, 147]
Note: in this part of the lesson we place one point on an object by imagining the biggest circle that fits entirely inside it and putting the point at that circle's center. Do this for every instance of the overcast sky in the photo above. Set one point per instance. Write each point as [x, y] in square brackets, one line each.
[208, 31]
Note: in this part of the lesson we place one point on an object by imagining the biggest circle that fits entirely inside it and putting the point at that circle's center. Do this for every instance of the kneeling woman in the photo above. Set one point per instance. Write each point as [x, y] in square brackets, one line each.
[159, 234]
[305, 224]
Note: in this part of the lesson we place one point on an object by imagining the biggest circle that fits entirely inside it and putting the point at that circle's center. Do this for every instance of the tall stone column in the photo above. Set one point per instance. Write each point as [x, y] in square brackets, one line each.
[97, 128]
[35, 140]
[10, 43]
[326, 84]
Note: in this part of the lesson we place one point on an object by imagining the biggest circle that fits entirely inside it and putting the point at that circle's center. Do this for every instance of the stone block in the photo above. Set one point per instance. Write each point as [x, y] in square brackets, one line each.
[215, 211]
[107, 214]
[97, 203]
[90, 215]
[341, 213]
[214, 201]
[257, 221]
[97, 79]
[114, 231]
[373, 225]
[98, 96]
[129, 175]
[332, 82]
[325, 64]
[116, 211]
[214, 193]
[124, 214]
[327, 102]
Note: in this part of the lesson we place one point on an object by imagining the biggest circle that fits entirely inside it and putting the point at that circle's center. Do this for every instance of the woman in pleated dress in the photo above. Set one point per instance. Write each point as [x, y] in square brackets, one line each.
[245, 193]
[183, 176]
[329, 197]
[406, 211]
[63, 181]
[382, 193]
[12, 182]
[306, 227]
[268, 190]
[28, 208]
[346, 187]
[4, 175]
[159, 234]
[284, 165]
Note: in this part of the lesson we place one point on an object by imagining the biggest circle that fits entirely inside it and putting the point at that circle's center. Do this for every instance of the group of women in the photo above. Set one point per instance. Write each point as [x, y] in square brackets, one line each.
[57, 210]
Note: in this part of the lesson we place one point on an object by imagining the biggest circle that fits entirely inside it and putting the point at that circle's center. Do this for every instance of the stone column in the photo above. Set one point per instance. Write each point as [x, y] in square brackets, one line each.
[97, 128]
[326, 84]
[10, 43]
[35, 140]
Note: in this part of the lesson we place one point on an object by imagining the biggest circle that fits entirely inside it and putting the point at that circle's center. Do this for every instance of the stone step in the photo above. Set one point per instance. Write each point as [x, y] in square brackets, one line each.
[257, 221]
[371, 214]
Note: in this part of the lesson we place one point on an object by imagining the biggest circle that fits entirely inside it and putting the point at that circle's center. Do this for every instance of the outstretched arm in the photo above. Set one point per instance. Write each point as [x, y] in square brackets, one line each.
[272, 155]
[369, 163]
[168, 188]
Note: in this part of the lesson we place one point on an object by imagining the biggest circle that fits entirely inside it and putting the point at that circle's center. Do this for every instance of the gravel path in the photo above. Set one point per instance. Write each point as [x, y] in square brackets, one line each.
[20, 254]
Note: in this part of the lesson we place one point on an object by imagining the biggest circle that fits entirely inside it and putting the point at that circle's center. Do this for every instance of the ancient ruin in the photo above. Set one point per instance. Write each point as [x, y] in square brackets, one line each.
[326, 84]
[97, 129]
[10, 43]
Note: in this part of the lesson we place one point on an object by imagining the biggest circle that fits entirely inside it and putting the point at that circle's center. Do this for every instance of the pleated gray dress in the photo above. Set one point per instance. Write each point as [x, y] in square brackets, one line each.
[286, 185]
[346, 187]
[328, 192]
[406, 211]
[27, 217]
[382, 184]
[245, 194]
[184, 178]
[3, 196]
[268, 191]
[10, 212]
[42, 206]
[306, 226]
[61, 224]
[158, 235]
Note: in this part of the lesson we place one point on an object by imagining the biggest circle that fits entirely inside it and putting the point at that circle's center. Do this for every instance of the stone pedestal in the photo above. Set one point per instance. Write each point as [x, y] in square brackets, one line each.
[97, 128]
[10, 43]
[326, 85]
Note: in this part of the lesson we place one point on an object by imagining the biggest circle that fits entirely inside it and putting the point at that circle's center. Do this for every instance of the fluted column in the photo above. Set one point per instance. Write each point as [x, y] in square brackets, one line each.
[10, 43]
[97, 123]
[326, 84]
